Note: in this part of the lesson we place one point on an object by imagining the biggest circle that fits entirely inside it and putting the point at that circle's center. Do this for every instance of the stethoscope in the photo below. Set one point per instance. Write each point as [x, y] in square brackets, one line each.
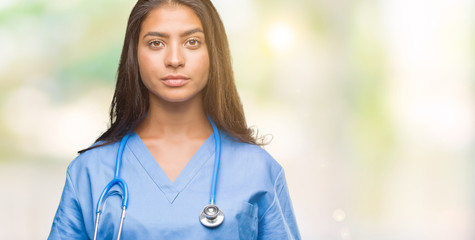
[210, 217]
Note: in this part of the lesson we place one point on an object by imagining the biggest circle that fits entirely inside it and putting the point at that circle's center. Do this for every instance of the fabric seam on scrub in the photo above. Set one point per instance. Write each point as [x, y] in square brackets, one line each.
[212, 153]
[289, 235]
[76, 198]
[74, 190]
[144, 168]
[196, 173]
[275, 195]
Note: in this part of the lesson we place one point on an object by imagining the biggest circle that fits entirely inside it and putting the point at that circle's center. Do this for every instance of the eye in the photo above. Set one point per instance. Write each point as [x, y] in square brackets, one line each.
[155, 44]
[193, 43]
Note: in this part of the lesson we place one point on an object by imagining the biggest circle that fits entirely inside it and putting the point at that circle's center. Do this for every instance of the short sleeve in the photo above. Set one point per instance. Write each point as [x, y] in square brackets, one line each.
[278, 222]
[68, 222]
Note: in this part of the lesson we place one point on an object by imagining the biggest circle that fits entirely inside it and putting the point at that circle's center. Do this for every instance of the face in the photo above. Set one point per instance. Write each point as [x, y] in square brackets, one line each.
[172, 54]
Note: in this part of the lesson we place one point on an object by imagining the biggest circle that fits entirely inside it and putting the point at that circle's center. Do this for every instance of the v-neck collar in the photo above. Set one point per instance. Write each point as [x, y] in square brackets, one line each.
[159, 177]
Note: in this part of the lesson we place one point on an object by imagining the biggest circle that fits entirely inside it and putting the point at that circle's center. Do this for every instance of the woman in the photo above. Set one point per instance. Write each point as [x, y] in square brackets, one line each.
[174, 85]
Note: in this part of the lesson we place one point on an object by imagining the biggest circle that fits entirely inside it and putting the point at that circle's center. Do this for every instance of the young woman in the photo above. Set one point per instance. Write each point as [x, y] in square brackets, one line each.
[178, 145]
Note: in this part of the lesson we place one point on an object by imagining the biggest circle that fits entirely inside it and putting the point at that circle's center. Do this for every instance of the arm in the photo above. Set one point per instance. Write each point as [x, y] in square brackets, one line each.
[278, 222]
[68, 222]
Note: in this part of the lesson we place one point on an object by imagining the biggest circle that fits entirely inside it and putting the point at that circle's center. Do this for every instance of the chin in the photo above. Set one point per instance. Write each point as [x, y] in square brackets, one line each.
[178, 98]
[175, 100]
[175, 96]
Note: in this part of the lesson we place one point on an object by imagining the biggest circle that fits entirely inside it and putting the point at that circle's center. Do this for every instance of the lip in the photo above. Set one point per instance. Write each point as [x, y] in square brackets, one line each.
[175, 80]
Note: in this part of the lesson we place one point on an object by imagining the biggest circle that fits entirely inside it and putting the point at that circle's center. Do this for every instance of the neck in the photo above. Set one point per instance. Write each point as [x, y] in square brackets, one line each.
[174, 120]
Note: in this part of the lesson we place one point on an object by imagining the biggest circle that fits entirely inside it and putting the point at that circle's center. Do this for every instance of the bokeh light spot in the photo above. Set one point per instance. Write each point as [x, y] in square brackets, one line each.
[280, 37]
[339, 215]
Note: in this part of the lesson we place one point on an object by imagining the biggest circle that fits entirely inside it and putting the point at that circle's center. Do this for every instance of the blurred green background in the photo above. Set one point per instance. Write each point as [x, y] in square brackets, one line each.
[370, 105]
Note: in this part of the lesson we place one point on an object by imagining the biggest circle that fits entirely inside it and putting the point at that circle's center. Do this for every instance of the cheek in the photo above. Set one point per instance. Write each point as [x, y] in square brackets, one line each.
[203, 65]
[142, 63]
[146, 65]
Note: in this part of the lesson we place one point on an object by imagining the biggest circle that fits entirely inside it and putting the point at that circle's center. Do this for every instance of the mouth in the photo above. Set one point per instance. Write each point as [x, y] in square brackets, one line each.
[175, 80]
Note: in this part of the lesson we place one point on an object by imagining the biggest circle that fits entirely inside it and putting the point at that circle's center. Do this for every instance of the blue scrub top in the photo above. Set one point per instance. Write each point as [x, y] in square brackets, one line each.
[251, 191]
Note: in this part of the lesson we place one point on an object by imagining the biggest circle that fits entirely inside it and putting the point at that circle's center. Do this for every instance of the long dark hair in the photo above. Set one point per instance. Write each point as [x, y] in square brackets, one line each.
[220, 98]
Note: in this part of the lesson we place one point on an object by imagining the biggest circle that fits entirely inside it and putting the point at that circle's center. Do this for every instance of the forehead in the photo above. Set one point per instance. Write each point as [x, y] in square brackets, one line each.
[171, 19]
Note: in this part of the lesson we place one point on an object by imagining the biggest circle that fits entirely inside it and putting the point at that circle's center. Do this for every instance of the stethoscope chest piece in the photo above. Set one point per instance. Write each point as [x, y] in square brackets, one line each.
[211, 216]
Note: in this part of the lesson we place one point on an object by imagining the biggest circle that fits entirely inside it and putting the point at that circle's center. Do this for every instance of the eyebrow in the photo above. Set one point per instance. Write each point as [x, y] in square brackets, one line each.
[165, 35]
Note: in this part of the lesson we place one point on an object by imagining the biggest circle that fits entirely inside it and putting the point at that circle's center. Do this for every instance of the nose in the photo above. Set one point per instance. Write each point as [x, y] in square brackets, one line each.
[175, 58]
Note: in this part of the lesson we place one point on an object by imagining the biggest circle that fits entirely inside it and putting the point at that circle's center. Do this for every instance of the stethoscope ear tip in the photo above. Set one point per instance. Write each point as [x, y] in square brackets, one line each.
[211, 216]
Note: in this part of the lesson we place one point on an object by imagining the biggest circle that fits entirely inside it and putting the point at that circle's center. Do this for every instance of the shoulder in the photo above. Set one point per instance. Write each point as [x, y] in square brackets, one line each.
[92, 158]
[251, 157]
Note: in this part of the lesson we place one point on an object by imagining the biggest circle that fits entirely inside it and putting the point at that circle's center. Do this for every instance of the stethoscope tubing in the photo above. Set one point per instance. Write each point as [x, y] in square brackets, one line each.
[217, 159]
[116, 180]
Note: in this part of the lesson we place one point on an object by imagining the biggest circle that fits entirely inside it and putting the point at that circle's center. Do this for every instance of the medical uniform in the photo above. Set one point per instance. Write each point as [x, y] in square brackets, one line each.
[251, 191]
